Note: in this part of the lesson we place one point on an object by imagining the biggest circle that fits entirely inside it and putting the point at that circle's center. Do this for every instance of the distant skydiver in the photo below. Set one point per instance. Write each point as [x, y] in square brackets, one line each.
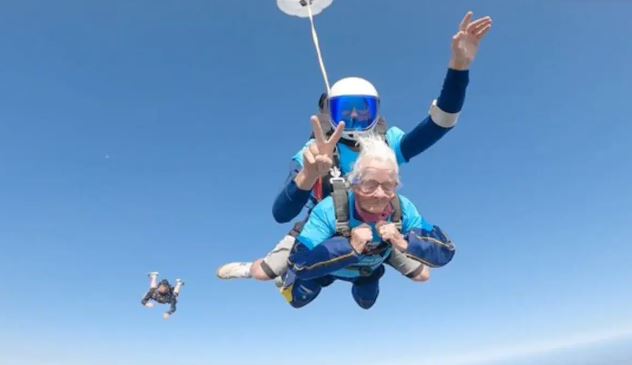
[352, 110]
[162, 292]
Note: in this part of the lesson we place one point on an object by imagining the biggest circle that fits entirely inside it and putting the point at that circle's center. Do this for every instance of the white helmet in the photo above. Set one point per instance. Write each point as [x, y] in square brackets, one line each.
[355, 101]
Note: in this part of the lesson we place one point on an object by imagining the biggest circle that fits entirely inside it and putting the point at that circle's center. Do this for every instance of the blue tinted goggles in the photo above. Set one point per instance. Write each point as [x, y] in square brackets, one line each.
[358, 112]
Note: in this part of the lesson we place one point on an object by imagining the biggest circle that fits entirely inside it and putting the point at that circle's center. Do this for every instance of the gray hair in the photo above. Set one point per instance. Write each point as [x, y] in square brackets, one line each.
[372, 147]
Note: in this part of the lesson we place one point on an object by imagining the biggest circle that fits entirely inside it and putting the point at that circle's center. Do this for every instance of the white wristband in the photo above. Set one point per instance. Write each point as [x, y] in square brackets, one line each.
[441, 118]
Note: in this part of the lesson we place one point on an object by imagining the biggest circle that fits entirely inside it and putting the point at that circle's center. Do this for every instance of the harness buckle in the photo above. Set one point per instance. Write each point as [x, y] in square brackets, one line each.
[342, 228]
[336, 175]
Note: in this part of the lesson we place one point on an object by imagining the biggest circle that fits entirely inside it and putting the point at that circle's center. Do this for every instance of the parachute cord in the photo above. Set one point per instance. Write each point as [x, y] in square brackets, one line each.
[315, 39]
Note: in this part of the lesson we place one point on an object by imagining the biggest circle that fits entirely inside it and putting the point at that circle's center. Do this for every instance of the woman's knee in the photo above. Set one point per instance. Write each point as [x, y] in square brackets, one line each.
[257, 272]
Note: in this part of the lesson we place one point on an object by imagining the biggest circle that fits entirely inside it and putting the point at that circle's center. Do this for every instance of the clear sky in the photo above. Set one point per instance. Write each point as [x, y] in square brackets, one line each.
[146, 135]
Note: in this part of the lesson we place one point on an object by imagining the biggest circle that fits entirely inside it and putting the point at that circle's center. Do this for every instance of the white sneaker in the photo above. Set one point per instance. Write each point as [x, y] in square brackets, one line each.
[153, 273]
[235, 270]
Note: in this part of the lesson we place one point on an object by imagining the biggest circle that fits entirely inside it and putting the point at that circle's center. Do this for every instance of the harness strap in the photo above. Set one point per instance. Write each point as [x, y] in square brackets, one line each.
[325, 188]
[296, 230]
[396, 217]
[341, 204]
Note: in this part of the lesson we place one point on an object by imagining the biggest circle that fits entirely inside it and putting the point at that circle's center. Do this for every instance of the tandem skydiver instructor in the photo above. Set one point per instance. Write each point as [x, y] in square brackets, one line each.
[355, 102]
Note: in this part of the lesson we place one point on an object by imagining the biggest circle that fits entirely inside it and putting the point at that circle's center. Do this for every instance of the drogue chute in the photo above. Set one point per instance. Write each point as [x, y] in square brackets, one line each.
[308, 9]
[301, 8]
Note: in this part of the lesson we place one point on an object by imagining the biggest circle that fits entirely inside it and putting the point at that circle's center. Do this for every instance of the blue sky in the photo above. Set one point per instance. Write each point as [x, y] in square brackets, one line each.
[153, 135]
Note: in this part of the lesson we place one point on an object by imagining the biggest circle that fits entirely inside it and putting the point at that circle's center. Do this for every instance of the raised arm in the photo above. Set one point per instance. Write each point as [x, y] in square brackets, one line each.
[291, 199]
[312, 162]
[444, 111]
[147, 296]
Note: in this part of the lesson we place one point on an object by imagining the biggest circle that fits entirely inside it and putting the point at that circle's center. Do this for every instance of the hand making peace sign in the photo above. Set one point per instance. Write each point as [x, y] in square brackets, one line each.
[318, 157]
[466, 41]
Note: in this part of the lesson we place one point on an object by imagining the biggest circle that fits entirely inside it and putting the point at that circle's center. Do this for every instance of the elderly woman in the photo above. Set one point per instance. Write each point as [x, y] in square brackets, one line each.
[374, 237]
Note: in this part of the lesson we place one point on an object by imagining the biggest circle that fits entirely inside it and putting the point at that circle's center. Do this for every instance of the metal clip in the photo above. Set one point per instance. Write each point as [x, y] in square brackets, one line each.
[336, 176]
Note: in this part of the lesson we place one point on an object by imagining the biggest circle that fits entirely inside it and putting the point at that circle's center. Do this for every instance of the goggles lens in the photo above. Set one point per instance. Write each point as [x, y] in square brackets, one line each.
[358, 112]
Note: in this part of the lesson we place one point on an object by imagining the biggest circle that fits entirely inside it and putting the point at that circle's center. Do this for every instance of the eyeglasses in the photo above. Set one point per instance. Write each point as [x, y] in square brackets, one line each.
[370, 186]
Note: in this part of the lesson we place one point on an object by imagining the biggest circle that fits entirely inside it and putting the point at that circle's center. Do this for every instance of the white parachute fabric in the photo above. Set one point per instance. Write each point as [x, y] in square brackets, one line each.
[307, 9]
[301, 9]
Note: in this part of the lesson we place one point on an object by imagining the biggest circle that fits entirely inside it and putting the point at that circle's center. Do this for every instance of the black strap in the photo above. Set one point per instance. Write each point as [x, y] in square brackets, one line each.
[298, 227]
[327, 188]
[396, 217]
[341, 206]
[349, 143]
[377, 250]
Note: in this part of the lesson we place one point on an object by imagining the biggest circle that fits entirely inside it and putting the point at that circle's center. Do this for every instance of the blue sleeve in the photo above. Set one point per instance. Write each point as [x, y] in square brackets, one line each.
[452, 94]
[331, 255]
[426, 242]
[432, 247]
[426, 133]
[291, 200]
